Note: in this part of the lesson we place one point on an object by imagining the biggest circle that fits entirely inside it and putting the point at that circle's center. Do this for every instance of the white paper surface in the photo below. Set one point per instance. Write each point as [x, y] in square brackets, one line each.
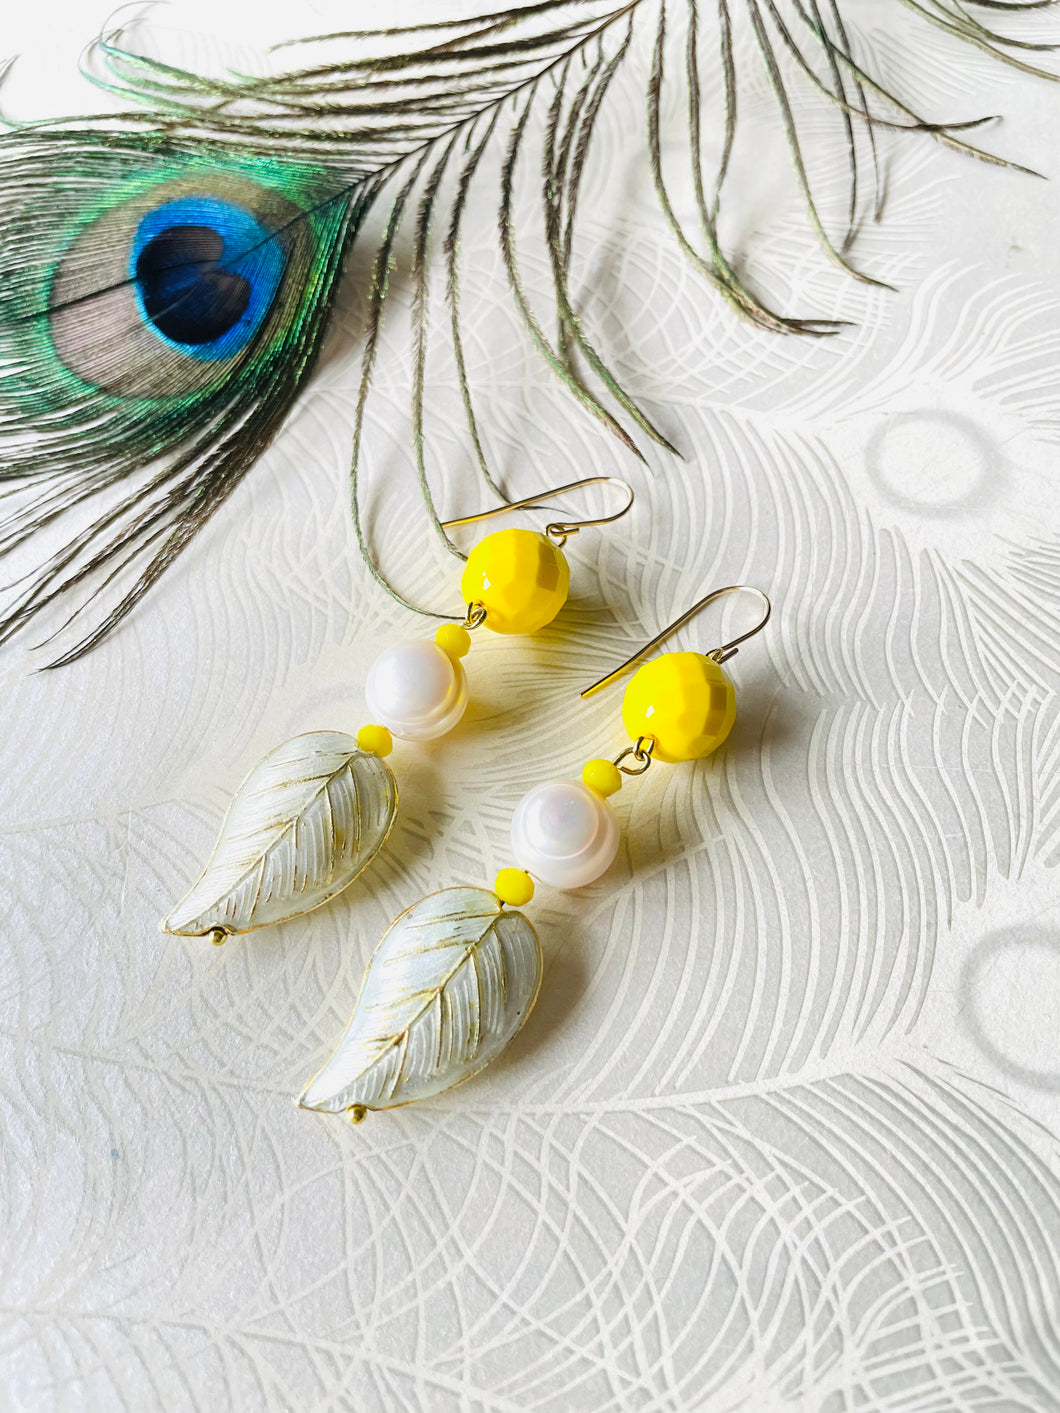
[781, 1132]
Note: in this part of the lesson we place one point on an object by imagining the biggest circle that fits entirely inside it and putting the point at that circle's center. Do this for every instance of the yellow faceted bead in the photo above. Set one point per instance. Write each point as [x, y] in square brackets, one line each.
[453, 639]
[602, 776]
[376, 739]
[685, 701]
[514, 887]
[521, 579]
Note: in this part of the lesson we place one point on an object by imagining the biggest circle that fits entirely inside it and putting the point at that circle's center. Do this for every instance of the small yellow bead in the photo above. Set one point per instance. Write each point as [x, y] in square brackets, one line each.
[453, 639]
[514, 887]
[376, 739]
[685, 701]
[519, 577]
[602, 776]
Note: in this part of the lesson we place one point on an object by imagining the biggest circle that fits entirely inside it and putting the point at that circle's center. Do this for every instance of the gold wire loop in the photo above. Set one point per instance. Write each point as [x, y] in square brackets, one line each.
[557, 530]
[719, 654]
[641, 751]
[475, 616]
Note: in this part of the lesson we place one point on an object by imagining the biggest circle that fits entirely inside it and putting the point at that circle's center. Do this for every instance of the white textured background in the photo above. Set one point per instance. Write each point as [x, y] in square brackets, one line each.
[782, 1131]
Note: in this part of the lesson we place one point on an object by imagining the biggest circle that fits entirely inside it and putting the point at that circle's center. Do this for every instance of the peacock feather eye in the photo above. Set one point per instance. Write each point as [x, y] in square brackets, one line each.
[205, 274]
[162, 308]
[161, 295]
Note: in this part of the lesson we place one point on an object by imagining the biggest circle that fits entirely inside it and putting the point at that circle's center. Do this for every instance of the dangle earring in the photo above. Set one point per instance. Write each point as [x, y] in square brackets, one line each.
[316, 810]
[456, 975]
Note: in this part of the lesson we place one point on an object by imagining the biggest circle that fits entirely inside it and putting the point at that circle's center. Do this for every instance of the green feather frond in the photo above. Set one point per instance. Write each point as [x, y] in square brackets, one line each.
[376, 98]
[376, 101]
[420, 118]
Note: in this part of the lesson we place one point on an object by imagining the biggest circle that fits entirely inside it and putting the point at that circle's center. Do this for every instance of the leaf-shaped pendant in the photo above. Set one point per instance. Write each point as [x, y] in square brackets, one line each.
[451, 982]
[303, 824]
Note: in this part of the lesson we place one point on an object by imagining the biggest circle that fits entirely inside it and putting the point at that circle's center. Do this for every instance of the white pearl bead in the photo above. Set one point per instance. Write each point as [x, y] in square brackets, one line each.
[416, 690]
[564, 833]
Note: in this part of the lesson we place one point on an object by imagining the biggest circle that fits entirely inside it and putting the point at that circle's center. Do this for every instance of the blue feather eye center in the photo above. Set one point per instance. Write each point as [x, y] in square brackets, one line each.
[205, 273]
[187, 294]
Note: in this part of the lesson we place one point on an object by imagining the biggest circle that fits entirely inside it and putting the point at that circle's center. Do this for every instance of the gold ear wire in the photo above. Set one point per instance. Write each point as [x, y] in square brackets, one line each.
[558, 530]
[719, 655]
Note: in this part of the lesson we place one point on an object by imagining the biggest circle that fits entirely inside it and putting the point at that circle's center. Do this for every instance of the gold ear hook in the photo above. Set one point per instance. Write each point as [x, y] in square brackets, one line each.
[719, 655]
[558, 530]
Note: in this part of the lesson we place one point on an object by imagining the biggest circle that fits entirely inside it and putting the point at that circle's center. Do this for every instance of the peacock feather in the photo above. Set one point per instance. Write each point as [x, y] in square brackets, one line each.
[166, 278]
[161, 307]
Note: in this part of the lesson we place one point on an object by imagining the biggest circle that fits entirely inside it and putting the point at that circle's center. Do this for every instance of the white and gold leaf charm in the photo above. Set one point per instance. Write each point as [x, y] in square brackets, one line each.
[303, 824]
[451, 982]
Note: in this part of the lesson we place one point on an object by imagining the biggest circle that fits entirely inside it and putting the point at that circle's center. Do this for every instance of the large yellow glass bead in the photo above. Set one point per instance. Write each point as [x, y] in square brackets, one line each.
[520, 577]
[685, 701]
